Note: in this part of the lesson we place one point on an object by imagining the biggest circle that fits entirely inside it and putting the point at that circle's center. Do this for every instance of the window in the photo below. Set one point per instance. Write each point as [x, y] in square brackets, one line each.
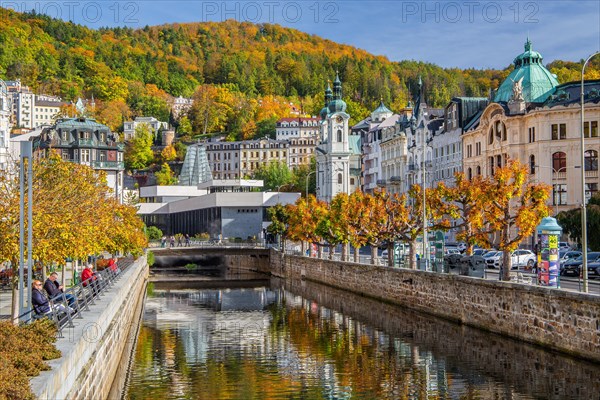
[102, 156]
[85, 155]
[469, 174]
[586, 129]
[559, 161]
[532, 164]
[559, 194]
[559, 131]
[469, 151]
[339, 135]
[532, 134]
[478, 170]
[339, 179]
[590, 190]
[352, 181]
[591, 160]
[478, 148]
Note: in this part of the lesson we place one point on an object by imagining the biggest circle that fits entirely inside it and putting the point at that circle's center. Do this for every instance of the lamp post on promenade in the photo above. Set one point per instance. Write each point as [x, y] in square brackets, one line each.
[583, 206]
[307, 177]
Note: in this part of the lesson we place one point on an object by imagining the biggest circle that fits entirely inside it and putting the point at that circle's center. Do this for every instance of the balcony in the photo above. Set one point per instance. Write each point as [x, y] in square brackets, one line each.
[84, 142]
[591, 174]
[396, 179]
[381, 182]
[108, 165]
[562, 175]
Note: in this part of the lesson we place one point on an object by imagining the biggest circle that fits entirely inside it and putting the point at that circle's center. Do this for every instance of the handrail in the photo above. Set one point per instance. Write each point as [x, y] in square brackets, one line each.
[73, 301]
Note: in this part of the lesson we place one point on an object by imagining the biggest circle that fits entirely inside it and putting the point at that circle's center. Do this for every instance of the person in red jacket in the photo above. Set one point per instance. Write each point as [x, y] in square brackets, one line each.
[87, 275]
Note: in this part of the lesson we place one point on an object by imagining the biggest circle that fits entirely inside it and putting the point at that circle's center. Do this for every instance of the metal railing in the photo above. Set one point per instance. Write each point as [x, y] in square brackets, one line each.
[75, 300]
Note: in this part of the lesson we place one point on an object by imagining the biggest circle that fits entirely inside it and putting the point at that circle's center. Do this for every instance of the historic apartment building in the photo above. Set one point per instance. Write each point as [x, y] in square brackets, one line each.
[300, 127]
[5, 123]
[85, 141]
[154, 125]
[535, 120]
[31, 111]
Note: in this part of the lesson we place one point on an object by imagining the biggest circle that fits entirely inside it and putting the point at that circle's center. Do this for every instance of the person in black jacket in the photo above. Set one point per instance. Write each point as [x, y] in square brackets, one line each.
[54, 289]
[40, 302]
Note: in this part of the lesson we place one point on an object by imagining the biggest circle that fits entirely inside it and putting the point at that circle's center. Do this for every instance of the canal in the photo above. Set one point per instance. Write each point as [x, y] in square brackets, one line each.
[278, 339]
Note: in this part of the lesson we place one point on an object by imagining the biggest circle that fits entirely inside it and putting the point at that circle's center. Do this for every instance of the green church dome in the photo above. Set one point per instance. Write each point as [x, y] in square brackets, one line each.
[537, 82]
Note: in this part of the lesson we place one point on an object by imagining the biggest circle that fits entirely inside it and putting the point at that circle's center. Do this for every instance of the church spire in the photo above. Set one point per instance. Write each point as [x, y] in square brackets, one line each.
[337, 87]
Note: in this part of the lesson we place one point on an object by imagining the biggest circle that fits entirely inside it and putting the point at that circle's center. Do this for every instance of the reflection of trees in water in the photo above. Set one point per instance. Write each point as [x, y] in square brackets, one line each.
[307, 350]
[464, 357]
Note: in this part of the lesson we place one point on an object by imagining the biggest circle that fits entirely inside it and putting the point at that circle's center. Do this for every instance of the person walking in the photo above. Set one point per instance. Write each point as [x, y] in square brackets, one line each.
[187, 240]
[172, 241]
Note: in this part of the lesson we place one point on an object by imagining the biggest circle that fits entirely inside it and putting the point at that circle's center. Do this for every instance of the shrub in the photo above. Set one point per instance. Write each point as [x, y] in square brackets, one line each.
[190, 266]
[150, 258]
[202, 236]
[23, 350]
[153, 233]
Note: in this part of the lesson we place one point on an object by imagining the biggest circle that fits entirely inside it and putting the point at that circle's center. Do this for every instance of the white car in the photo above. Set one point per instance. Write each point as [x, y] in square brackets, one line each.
[519, 258]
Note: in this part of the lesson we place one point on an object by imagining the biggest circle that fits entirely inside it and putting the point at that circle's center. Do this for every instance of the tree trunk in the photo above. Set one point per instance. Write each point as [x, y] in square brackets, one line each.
[412, 254]
[14, 310]
[331, 251]
[373, 254]
[390, 257]
[320, 251]
[506, 265]
[357, 254]
[344, 252]
[303, 247]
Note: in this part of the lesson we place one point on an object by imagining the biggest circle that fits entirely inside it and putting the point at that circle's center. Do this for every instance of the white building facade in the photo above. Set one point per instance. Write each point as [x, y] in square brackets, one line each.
[5, 124]
[154, 125]
[288, 128]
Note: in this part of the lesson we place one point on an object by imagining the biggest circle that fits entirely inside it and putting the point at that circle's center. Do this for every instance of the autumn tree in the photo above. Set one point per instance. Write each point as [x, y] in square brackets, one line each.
[467, 205]
[279, 217]
[138, 151]
[168, 154]
[304, 218]
[514, 208]
[165, 176]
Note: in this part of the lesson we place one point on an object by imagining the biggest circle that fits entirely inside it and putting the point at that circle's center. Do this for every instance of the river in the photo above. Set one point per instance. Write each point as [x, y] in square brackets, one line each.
[301, 340]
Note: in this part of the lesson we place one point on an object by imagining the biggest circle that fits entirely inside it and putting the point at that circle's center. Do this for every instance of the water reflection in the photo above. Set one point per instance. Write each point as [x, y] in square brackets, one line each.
[306, 341]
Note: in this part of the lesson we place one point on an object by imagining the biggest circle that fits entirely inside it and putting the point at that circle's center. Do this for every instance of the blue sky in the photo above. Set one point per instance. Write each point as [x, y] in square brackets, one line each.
[463, 34]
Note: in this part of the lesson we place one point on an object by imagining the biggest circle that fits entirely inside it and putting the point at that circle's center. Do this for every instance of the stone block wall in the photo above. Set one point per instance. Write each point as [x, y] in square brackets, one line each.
[557, 319]
[93, 350]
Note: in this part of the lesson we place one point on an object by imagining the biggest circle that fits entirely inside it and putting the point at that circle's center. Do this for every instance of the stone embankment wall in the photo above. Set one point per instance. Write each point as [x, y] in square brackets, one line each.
[557, 319]
[93, 350]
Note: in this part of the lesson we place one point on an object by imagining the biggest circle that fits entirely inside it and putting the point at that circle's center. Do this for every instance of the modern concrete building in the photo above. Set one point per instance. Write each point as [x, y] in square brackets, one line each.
[221, 208]
[85, 141]
[537, 122]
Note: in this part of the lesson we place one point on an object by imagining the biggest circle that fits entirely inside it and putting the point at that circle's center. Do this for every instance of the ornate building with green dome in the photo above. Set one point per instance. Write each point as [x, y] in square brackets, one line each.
[536, 82]
[536, 120]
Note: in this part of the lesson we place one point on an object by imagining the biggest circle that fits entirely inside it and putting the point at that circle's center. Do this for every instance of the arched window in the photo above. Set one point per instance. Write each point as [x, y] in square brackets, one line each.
[478, 170]
[340, 179]
[559, 161]
[339, 135]
[469, 174]
[591, 160]
[532, 164]
[491, 137]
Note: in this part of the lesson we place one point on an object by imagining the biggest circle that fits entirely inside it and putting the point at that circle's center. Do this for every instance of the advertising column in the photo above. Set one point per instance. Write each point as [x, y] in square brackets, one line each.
[548, 234]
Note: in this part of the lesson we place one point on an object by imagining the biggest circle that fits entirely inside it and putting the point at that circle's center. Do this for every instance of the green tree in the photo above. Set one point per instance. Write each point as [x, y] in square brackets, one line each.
[570, 221]
[153, 233]
[138, 151]
[165, 176]
[274, 174]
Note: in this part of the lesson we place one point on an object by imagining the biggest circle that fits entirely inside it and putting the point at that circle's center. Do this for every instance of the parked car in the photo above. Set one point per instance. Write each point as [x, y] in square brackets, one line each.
[564, 246]
[566, 255]
[523, 258]
[572, 267]
[451, 250]
[594, 269]
[493, 259]
[519, 258]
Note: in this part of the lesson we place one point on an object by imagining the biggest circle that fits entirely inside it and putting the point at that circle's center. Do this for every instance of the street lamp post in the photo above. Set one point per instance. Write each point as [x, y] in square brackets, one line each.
[583, 206]
[307, 176]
